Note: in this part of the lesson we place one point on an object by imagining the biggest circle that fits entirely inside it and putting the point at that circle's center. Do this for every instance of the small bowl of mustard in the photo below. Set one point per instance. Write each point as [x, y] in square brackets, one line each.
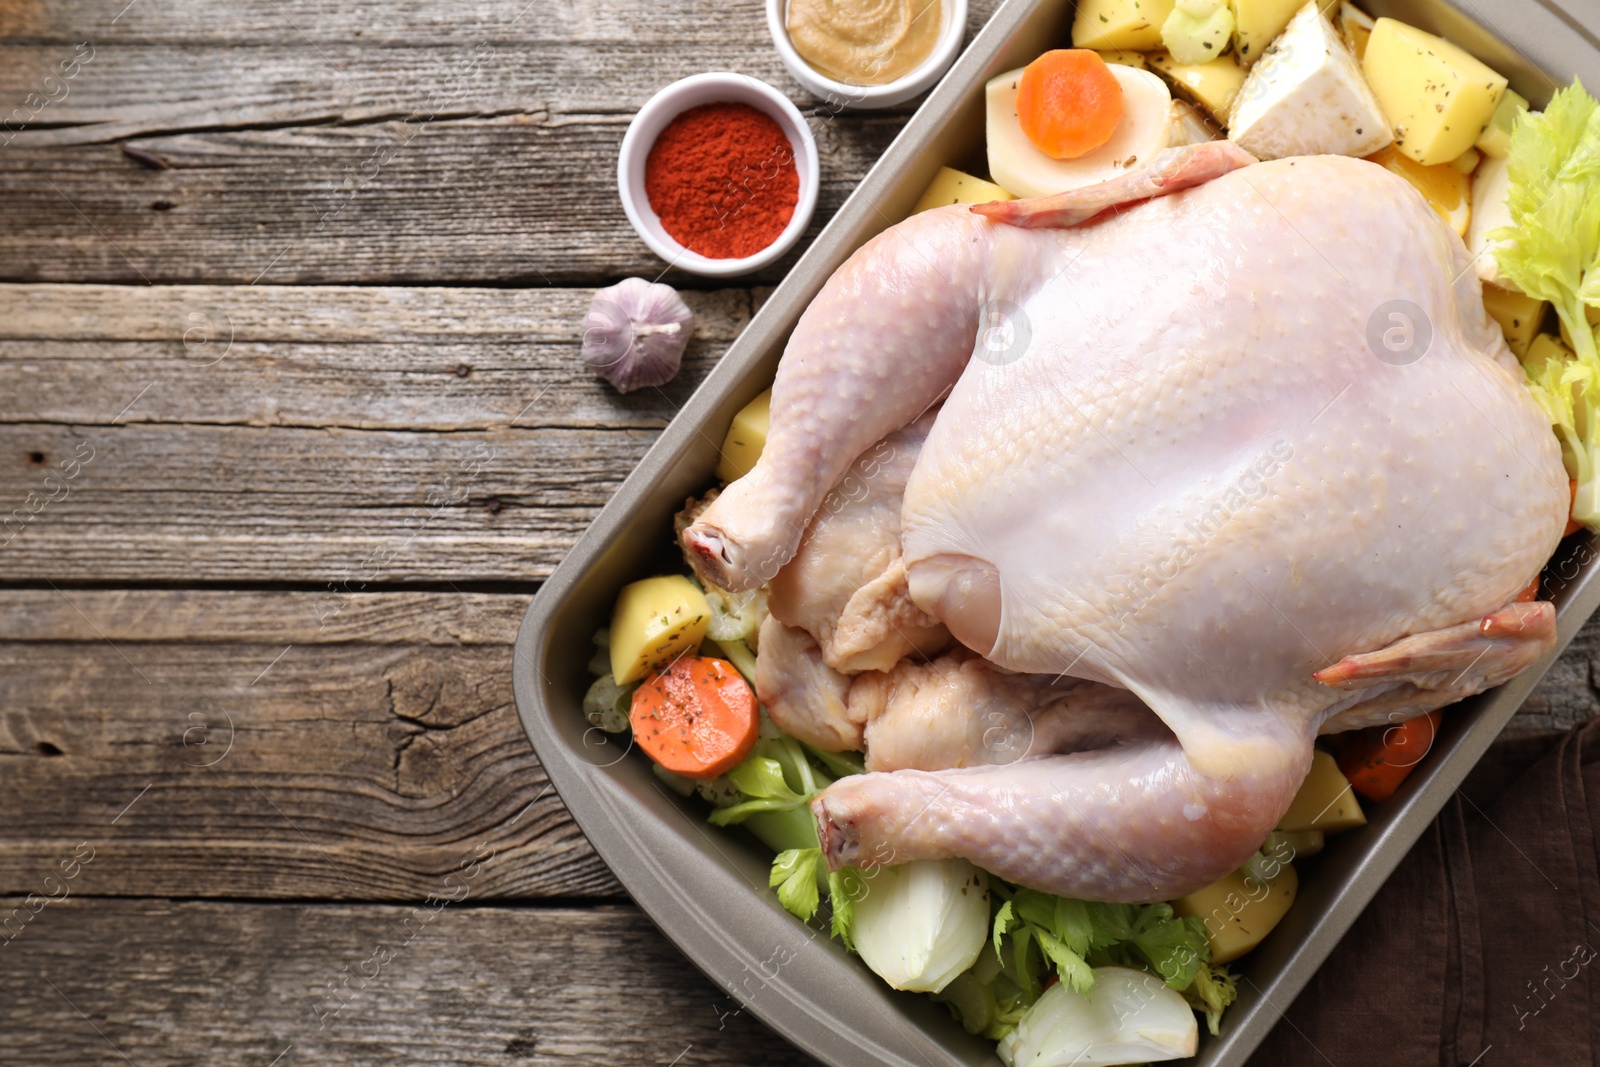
[863, 54]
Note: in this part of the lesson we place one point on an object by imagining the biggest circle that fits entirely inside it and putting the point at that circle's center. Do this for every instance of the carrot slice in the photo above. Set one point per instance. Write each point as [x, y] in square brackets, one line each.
[1530, 592]
[696, 717]
[1378, 759]
[1068, 102]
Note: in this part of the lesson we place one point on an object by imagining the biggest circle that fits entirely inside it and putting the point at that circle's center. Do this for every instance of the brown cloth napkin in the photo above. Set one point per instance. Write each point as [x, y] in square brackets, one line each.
[1483, 948]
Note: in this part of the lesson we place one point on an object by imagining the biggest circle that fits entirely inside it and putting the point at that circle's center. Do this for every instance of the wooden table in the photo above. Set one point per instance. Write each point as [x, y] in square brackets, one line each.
[292, 423]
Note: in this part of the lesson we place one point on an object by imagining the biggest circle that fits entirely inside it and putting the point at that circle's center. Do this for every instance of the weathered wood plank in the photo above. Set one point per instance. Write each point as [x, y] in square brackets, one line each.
[525, 199]
[197, 316]
[235, 617]
[149, 982]
[263, 745]
[405, 23]
[219, 503]
[132, 452]
[363, 358]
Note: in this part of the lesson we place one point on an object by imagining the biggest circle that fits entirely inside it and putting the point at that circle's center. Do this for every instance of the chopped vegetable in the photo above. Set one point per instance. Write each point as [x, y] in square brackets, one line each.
[1288, 846]
[1495, 140]
[1446, 189]
[1074, 936]
[1438, 97]
[951, 186]
[1491, 212]
[738, 653]
[1128, 1017]
[1197, 30]
[1019, 165]
[1325, 801]
[747, 436]
[1551, 251]
[1131, 25]
[920, 924]
[1356, 26]
[1378, 759]
[1591, 314]
[736, 616]
[1191, 127]
[1306, 95]
[794, 876]
[984, 999]
[1127, 59]
[655, 621]
[1213, 989]
[697, 717]
[1068, 102]
[1213, 85]
[606, 704]
[1239, 911]
[1261, 21]
[1518, 314]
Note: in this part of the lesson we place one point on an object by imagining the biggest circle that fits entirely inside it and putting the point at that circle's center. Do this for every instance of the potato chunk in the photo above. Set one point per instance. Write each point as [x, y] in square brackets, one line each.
[655, 621]
[1518, 314]
[1438, 98]
[1131, 25]
[1325, 801]
[1239, 910]
[951, 186]
[1211, 85]
[747, 435]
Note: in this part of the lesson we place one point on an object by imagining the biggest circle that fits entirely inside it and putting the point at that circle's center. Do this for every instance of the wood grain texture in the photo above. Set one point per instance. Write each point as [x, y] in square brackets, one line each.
[230, 503]
[253, 985]
[435, 359]
[273, 745]
[511, 201]
[313, 434]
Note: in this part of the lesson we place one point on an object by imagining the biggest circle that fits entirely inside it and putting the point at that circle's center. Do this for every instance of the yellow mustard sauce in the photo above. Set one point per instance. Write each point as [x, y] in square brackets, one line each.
[865, 42]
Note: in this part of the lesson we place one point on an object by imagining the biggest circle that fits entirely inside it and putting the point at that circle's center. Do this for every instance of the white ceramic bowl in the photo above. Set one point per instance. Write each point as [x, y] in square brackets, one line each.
[668, 104]
[865, 97]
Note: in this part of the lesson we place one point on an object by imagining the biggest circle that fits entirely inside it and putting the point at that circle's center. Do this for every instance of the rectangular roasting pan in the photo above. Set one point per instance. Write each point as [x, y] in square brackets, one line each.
[707, 888]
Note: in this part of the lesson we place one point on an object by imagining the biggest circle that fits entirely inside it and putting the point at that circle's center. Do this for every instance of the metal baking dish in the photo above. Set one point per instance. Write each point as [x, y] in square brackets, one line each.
[705, 887]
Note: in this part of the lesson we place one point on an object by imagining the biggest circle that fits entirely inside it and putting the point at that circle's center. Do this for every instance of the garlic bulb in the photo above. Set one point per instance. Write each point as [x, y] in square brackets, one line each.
[635, 334]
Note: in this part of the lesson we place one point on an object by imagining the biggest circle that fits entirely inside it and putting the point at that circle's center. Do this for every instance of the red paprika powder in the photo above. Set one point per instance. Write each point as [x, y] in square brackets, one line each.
[722, 179]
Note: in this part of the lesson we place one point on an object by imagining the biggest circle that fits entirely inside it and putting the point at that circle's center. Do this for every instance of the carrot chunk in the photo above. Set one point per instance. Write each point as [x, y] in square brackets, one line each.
[696, 717]
[1068, 102]
[1378, 759]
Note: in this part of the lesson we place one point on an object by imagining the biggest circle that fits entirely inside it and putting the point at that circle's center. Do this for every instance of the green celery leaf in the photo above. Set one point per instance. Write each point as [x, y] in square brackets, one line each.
[794, 874]
[1071, 924]
[1112, 923]
[1036, 908]
[1175, 947]
[762, 779]
[1212, 990]
[1025, 975]
[1069, 965]
[845, 887]
[1003, 921]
